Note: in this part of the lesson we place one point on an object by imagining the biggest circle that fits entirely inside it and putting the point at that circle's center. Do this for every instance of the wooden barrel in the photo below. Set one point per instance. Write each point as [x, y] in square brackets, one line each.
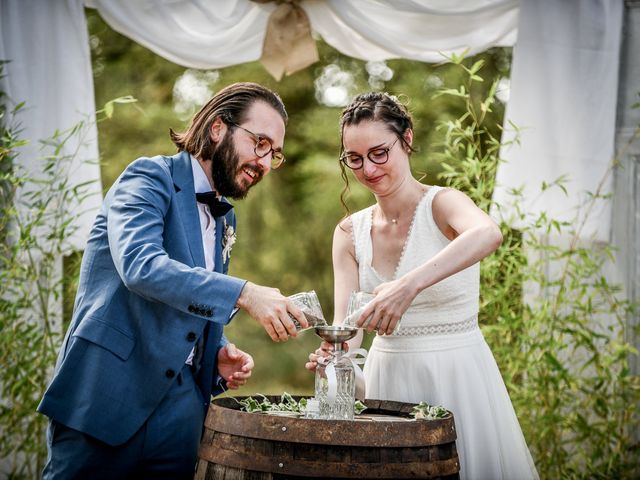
[385, 443]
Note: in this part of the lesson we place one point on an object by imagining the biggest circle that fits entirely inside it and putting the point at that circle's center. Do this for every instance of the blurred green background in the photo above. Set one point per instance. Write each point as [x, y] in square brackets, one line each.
[285, 226]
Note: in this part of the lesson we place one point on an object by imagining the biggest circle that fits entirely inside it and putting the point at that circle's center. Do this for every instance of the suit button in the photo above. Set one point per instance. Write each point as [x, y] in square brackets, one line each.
[191, 337]
[170, 373]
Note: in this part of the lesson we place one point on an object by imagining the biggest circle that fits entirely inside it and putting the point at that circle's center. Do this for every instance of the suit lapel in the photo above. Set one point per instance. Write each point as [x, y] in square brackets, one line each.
[186, 200]
[219, 264]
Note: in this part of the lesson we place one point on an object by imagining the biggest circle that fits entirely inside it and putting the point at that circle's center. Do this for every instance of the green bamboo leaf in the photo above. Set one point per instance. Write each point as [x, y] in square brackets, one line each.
[108, 109]
[476, 67]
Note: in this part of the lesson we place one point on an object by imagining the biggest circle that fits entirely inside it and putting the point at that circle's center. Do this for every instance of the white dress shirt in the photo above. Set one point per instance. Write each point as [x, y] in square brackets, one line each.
[207, 224]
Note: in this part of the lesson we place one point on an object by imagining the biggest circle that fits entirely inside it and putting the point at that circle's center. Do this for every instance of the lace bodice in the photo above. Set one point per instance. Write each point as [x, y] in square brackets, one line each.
[451, 305]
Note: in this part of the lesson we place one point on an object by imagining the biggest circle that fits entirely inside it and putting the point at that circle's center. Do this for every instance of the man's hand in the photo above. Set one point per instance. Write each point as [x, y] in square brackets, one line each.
[271, 309]
[234, 365]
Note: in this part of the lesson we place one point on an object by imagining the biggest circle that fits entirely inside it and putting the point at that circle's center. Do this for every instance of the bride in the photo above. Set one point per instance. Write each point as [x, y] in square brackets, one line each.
[417, 249]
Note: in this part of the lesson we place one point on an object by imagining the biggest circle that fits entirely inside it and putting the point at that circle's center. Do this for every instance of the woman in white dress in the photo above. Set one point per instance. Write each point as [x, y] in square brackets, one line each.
[417, 249]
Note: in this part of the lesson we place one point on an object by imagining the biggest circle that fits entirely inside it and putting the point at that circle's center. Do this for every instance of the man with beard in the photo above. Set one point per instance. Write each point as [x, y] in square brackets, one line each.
[145, 349]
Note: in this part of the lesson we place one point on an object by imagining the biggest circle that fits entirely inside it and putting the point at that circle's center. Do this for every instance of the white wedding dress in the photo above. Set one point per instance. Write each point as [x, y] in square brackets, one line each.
[438, 355]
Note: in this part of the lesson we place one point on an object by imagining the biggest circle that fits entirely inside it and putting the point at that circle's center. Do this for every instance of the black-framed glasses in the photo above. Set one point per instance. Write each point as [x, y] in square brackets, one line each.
[377, 156]
[264, 147]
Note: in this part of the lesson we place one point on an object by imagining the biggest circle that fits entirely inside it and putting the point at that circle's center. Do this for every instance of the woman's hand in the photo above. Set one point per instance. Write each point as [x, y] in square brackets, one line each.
[391, 300]
[325, 351]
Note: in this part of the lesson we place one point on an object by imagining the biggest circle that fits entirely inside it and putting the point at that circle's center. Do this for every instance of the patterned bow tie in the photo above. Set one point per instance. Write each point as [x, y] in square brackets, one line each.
[218, 208]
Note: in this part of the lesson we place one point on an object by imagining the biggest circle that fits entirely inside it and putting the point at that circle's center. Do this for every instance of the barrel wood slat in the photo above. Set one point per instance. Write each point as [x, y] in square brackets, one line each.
[241, 445]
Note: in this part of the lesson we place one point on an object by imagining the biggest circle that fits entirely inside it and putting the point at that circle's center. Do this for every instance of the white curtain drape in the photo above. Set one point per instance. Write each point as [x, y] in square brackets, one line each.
[420, 30]
[47, 46]
[564, 78]
[193, 33]
[199, 34]
[564, 84]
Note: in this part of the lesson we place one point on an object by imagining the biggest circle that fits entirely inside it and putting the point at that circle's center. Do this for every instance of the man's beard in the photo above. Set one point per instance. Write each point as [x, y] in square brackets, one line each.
[224, 170]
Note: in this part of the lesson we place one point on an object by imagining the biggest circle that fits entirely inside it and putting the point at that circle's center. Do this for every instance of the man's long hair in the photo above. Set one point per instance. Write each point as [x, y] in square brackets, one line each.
[230, 104]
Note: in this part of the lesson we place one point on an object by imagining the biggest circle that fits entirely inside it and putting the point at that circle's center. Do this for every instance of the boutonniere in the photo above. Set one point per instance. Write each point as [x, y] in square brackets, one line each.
[228, 239]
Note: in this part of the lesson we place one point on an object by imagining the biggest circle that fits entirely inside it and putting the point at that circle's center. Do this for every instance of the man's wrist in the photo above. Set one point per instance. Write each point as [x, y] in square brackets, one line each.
[242, 300]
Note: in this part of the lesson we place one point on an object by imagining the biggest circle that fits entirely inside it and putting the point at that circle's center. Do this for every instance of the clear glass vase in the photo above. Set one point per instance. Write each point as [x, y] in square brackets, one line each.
[338, 369]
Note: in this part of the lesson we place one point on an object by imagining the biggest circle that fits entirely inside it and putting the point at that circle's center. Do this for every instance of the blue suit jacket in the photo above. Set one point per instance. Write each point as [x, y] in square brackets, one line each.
[143, 302]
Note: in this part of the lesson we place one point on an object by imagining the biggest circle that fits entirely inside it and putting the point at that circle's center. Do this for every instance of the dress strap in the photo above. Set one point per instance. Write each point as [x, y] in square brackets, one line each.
[431, 193]
[361, 235]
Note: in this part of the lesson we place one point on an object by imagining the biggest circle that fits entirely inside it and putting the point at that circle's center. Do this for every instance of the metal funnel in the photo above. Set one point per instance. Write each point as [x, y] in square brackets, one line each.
[336, 334]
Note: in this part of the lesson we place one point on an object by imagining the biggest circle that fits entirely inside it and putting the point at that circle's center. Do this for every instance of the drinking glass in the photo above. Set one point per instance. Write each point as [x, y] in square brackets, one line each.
[357, 303]
[309, 303]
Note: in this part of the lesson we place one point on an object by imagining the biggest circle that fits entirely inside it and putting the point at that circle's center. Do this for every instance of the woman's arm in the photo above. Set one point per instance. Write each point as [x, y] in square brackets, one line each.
[345, 275]
[473, 235]
[345, 270]
[345, 280]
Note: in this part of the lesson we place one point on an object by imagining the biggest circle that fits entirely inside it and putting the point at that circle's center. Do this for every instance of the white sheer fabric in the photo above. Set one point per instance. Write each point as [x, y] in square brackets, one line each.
[193, 33]
[200, 34]
[50, 70]
[564, 83]
[414, 29]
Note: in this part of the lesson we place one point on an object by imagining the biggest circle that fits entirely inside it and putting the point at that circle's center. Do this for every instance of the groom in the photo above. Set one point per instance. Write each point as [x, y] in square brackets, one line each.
[145, 349]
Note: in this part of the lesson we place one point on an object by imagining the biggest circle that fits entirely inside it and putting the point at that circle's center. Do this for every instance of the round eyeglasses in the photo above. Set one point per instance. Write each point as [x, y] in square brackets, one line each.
[263, 147]
[377, 156]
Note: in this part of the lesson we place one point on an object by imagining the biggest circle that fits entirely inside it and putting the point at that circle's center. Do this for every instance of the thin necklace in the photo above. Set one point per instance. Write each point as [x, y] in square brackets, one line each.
[394, 221]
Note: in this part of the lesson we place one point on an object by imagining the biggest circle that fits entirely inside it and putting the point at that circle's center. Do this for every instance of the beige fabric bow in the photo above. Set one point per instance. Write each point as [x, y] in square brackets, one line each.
[288, 44]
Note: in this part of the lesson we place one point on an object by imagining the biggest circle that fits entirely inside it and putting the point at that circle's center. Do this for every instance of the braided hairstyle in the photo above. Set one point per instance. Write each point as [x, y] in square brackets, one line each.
[374, 107]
